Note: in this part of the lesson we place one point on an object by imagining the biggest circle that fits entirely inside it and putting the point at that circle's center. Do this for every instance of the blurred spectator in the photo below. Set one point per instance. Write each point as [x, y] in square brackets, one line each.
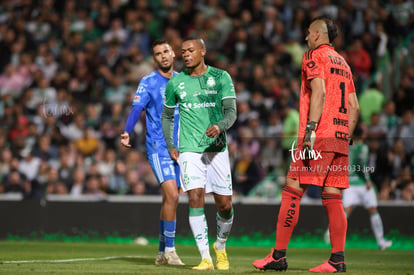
[40, 183]
[139, 36]
[360, 62]
[246, 172]
[403, 187]
[11, 82]
[88, 143]
[16, 183]
[117, 182]
[29, 164]
[106, 166]
[75, 130]
[6, 156]
[65, 166]
[138, 188]
[404, 131]
[93, 187]
[375, 129]
[370, 101]
[78, 183]
[247, 139]
[388, 117]
[116, 92]
[290, 118]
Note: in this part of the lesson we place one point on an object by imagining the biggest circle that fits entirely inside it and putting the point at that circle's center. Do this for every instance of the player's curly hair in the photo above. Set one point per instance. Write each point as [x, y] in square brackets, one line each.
[330, 25]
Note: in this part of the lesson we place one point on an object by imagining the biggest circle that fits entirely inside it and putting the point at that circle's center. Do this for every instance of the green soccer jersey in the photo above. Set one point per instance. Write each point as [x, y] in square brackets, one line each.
[358, 160]
[200, 103]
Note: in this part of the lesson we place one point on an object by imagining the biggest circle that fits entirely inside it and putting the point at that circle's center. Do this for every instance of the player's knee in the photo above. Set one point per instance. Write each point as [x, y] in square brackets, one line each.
[172, 198]
[225, 208]
[195, 198]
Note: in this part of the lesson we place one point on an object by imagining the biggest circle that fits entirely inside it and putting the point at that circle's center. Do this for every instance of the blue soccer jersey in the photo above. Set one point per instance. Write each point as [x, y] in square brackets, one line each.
[150, 96]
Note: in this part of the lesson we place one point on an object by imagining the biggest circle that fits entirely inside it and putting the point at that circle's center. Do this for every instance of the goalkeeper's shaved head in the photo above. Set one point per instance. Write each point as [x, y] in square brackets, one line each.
[322, 30]
[326, 26]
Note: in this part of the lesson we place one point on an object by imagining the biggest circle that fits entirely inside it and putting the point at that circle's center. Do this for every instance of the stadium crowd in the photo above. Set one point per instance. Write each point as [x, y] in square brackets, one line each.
[69, 70]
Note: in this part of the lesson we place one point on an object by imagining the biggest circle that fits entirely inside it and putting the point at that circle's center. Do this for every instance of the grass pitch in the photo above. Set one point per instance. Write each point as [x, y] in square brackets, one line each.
[29, 257]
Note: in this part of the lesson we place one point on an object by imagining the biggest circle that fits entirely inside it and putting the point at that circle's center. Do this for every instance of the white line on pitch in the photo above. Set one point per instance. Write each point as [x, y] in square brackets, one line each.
[71, 260]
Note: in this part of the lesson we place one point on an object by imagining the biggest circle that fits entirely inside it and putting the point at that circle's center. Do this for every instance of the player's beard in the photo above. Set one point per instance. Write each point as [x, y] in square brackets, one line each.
[165, 69]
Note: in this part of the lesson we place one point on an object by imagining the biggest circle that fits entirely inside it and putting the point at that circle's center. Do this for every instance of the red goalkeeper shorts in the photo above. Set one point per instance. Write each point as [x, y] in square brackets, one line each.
[327, 169]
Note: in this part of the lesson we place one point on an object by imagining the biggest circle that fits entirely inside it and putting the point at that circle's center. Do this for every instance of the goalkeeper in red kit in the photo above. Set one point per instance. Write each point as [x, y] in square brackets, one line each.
[328, 115]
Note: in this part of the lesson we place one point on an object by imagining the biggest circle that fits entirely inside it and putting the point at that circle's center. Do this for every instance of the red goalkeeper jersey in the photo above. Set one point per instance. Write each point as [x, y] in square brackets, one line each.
[332, 133]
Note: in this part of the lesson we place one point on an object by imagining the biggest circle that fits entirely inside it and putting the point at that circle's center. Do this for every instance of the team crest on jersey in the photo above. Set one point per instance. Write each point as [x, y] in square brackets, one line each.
[183, 94]
[211, 82]
[181, 86]
[137, 98]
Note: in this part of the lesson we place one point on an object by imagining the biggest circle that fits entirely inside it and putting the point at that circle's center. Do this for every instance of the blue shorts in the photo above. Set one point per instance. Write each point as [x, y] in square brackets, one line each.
[164, 168]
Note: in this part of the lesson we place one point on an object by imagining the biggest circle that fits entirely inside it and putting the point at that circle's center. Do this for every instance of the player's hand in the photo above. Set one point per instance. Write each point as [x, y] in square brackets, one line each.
[125, 139]
[213, 131]
[174, 154]
[309, 139]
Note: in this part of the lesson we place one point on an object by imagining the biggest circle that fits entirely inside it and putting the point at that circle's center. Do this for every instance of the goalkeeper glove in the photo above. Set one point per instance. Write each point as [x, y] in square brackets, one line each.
[309, 139]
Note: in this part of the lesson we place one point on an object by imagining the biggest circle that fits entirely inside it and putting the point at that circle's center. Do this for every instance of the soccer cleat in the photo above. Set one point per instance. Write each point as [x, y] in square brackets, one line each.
[385, 244]
[222, 263]
[172, 258]
[205, 264]
[160, 260]
[270, 263]
[329, 267]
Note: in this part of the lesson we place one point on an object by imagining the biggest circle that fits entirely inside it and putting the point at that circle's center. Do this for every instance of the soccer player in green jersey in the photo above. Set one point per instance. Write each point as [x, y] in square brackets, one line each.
[207, 102]
[361, 190]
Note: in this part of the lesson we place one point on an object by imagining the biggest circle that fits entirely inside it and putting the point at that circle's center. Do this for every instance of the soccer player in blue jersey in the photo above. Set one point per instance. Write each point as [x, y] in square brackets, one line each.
[149, 96]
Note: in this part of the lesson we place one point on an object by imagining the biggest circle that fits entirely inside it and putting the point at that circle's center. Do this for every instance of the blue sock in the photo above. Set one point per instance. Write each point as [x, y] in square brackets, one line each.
[169, 233]
[161, 246]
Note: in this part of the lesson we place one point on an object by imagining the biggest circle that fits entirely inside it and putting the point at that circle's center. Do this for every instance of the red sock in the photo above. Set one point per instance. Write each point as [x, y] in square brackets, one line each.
[288, 216]
[337, 220]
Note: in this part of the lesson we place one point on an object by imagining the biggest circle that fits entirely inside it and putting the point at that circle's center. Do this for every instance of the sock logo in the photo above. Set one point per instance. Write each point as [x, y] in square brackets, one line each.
[290, 213]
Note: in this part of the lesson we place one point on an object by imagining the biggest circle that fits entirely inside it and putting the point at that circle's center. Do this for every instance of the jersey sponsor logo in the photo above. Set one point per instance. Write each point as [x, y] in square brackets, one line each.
[340, 121]
[211, 82]
[342, 135]
[211, 92]
[181, 86]
[290, 213]
[196, 93]
[137, 98]
[341, 72]
[199, 105]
